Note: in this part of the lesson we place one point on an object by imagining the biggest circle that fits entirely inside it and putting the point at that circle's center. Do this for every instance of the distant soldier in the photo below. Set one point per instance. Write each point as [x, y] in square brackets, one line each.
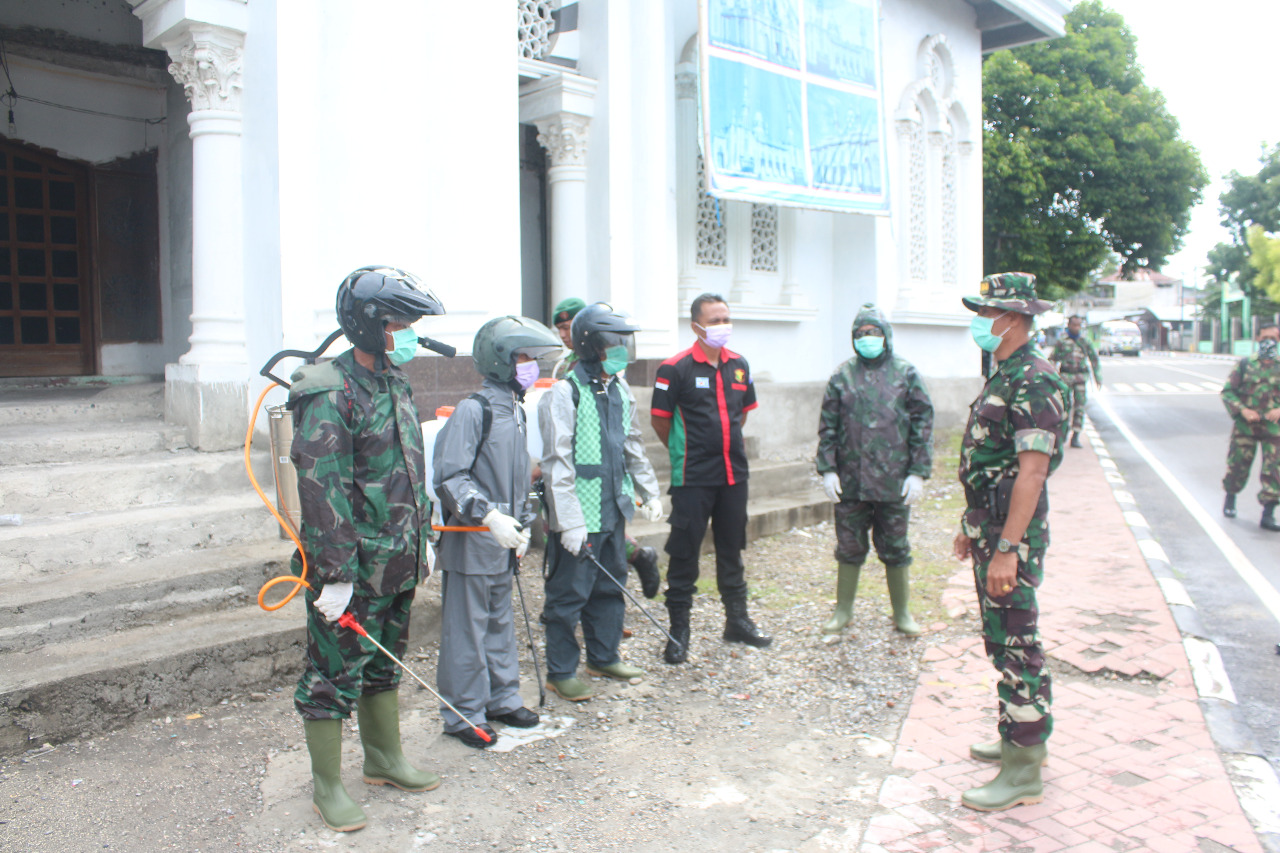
[1011, 445]
[1252, 396]
[1074, 355]
[874, 453]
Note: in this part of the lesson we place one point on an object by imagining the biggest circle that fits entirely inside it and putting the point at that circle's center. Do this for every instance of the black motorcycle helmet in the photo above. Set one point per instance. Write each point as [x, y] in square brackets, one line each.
[372, 296]
[598, 327]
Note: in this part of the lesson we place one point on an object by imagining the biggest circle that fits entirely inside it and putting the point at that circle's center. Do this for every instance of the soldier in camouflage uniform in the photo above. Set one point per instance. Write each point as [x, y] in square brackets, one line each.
[1252, 396]
[365, 524]
[1074, 356]
[874, 452]
[1012, 443]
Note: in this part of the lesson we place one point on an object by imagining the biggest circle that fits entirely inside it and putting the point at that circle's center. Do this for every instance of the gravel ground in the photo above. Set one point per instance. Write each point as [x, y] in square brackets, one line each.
[739, 749]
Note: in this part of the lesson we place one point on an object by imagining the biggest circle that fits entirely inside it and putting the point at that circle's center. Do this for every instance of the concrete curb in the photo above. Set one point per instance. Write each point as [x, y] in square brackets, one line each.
[1255, 781]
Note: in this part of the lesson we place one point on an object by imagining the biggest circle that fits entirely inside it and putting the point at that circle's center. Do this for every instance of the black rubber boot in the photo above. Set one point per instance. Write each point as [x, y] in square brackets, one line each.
[738, 627]
[1229, 505]
[1075, 438]
[645, 561]
[1269, 517]
[677, 652]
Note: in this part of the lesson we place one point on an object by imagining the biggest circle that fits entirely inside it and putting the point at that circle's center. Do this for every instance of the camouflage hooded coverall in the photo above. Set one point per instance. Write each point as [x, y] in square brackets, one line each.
[365, 520]
[1254, 384]
[1022, 408]
[875, 430]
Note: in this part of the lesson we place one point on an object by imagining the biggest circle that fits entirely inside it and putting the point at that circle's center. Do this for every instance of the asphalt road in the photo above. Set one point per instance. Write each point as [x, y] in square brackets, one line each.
[1169, 405]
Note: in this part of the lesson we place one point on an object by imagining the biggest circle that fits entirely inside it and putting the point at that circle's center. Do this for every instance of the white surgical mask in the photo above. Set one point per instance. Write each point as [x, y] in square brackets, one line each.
[718, 335]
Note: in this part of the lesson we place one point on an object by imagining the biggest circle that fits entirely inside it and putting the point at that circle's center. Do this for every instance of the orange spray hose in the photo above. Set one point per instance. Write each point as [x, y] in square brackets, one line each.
[298, 581]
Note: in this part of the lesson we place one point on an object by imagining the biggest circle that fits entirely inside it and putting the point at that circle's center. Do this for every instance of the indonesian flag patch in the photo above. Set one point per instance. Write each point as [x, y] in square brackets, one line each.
[662, 384]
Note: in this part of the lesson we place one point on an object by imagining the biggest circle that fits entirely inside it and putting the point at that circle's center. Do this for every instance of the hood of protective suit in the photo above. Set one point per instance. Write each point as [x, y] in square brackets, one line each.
[870, 314]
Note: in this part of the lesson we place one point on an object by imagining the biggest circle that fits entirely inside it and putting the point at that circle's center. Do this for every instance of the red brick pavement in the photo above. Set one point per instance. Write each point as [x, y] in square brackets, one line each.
[1131, 766]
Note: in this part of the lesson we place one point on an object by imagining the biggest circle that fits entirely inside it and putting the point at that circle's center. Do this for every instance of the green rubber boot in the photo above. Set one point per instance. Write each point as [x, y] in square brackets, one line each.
[384, 761]
[991, 752]
[330, 800]
[1017, 784]
[846, 591]
[572, 689]
[618, 671]
[899, 582]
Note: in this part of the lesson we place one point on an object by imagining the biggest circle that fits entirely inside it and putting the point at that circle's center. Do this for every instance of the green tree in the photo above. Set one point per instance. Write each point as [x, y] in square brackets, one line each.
[1080, 157]
[1249, 202]
[1264, 257]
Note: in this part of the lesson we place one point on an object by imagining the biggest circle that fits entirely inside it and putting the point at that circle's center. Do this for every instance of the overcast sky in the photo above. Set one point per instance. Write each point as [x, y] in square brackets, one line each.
[1218, 66]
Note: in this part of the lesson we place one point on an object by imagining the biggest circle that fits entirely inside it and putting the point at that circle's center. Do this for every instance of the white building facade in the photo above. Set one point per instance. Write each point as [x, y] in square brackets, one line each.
[228, 162]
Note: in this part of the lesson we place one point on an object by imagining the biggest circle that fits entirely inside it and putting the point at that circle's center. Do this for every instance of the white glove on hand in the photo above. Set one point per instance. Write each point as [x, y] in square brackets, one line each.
[831, 485]
[431, 563]
[504, 528]
[333, 600]
[573, 539]
[912, 489]
[523, 547]
[651, 510]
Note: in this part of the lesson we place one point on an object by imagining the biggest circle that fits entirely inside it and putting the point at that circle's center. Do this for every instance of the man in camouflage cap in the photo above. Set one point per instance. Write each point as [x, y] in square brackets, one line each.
[1074, 357]
[1012, 443]
[1252, 396]
[366, 523]
[874, 452]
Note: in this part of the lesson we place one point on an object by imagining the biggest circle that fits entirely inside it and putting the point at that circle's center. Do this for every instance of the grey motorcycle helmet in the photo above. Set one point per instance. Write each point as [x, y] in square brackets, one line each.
[502, 338]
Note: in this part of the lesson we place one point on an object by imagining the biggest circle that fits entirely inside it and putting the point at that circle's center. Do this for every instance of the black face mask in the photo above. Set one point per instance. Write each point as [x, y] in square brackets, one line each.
[1267, 348]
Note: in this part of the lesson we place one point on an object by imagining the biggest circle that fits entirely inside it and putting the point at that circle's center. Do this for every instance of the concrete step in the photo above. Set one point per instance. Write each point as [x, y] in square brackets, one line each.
[86, 441]
[51, 404]
[81, 688]
[766, 515]
[178, 476]
[49, 547]
[103, 599]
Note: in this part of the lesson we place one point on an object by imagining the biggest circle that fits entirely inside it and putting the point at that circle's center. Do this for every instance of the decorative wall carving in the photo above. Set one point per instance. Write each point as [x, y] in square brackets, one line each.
[537, 27]
[209, 65]
[712, 235]
[764, 237]
[917, 199]
[565, 138]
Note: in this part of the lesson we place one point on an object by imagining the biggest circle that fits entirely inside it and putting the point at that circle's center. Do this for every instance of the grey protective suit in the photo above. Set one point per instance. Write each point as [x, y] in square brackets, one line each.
[479, 669]
[575, 590]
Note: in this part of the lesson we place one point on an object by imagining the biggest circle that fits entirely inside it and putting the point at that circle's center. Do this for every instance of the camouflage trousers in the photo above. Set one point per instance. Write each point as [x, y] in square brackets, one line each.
[1011, 634]
[887, 522]
[341, 666]
[1077, 396]
[1240, 453]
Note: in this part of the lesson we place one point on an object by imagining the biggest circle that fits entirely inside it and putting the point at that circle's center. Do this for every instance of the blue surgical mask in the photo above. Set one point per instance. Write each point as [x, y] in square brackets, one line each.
[869, 347]
[405, 346]
[980, 329]
[615, 360]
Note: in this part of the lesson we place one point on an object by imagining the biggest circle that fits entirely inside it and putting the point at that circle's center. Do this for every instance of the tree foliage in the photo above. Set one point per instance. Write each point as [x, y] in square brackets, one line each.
[1080, 157]
[1250, 202]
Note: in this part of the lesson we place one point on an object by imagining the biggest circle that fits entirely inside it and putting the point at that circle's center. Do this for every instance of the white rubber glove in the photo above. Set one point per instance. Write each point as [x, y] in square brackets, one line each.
[504, 528]
[651, 510]
[431, 563]
[333, 600]
[831, 485]
[912, 489]
[573, 539]
[523, 547]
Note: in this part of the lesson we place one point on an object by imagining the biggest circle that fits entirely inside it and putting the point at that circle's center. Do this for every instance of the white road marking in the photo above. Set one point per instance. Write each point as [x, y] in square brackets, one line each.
[1175, 592]
[1122, 387]
[1192, 387]
[1258, 790]
[1135, 519]
[1151, 549]
[1207, 670]
[1142, 386]
[1266, 593]
[1215, 387]
[1186, 372]
[1168, 386]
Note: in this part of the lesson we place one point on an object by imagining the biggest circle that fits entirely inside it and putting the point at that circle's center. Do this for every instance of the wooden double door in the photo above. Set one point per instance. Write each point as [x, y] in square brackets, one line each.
[79, 260]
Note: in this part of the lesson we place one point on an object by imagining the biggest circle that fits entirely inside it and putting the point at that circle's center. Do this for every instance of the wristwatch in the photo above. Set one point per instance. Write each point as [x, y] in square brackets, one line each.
[1004, 546]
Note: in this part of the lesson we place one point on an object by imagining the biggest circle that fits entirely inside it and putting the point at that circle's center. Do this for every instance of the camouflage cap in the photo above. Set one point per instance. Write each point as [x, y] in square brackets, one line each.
[1010, 291]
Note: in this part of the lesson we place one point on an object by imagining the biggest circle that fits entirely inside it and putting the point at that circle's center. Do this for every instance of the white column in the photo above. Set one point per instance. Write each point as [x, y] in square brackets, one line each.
[207, 390]
[687, 180]
[565, 138]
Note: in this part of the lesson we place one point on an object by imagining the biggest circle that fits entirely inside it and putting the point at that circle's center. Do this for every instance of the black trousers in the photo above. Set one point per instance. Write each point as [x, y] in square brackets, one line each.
[691, 508]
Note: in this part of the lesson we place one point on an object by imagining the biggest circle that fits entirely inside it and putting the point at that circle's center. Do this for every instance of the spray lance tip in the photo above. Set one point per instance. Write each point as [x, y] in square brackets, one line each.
[348, 620]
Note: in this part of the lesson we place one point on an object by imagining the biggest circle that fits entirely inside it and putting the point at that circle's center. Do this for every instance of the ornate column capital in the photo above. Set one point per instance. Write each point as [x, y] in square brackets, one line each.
[209, 63]
[565, 138]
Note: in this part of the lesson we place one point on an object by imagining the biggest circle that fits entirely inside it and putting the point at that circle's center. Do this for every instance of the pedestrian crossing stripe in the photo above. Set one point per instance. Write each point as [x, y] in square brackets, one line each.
[1164, 387]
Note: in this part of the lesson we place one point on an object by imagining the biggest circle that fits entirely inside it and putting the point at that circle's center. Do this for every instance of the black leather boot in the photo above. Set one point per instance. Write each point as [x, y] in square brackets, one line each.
[1075, 438]
[1269, 517]
[1229, 505]
[738, 627]
[677, 652]
[645, 562]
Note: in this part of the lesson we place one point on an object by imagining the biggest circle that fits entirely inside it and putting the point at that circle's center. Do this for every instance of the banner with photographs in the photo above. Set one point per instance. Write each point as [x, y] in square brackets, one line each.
[792, 109]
